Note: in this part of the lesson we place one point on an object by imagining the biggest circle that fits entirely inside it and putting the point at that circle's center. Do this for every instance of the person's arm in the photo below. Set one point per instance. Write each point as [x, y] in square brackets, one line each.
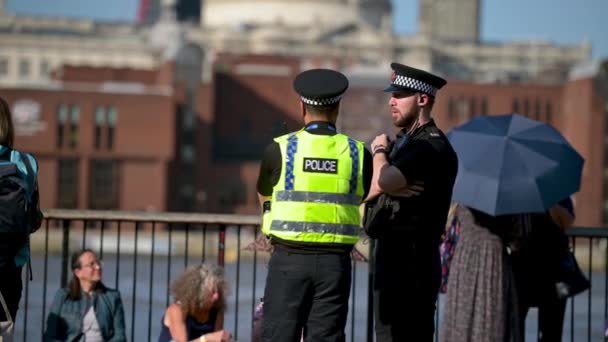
[56, 326]
[119, 320]
[561, 216]
[176, 322]
[219, 334]
[387, 178]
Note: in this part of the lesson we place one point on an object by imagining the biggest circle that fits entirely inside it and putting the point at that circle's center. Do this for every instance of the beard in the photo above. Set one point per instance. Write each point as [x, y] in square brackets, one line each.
[406, 120]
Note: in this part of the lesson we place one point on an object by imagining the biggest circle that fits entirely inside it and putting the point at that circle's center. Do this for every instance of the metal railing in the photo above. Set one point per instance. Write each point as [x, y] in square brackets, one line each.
[144, 252]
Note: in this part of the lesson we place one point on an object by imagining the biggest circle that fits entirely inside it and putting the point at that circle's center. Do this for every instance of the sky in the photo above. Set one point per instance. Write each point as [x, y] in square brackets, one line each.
[560, 21]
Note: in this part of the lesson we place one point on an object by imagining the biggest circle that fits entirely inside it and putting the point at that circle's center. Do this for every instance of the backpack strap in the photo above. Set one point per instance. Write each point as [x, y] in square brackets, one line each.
[28, 168]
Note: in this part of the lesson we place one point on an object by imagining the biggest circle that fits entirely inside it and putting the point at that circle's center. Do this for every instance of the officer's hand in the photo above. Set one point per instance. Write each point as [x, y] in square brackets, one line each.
[261, 244]
[411, 190]
[380, 141]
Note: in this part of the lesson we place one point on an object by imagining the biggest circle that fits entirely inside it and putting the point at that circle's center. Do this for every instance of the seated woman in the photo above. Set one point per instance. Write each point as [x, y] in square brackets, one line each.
[198, 311]
[86, 310]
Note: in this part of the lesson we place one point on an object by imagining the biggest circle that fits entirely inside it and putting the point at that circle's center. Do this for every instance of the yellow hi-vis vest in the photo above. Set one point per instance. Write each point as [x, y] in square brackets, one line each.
[318, 195]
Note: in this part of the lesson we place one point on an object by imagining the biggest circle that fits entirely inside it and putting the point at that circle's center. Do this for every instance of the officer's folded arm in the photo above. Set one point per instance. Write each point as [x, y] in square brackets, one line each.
[387, 179]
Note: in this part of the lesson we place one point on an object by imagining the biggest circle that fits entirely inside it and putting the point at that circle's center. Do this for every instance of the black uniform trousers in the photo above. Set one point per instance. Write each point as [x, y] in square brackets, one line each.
[406, 285]
[306, 293]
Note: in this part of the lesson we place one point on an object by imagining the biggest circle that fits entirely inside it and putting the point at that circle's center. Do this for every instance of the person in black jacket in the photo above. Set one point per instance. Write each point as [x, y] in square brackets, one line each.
[407, 263]
[537, 270]
[14, 227]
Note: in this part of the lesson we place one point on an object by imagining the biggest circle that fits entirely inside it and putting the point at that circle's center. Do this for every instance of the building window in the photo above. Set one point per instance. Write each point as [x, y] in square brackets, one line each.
[463, 110]
[605, 212]
[526, 107]
[3, 66]
[188, 154]
[548, 112]
[112, 116]
[100, 120]
[67, 183]
[515, 106]
[24, 68]
[231, 194]
[451, 109]
[103, 184]
[484, 106]
[537, 110]
[62, 118]
[74, 119]
[473, 108]
[44, 69]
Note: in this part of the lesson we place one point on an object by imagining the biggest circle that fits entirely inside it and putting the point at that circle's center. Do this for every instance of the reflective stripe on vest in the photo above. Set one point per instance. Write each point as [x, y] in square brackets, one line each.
[304, 207]
[317, 197]
[309, 227]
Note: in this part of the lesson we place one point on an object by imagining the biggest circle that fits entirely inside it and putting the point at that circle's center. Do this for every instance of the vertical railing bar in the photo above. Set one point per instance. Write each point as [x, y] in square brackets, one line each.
[204, 242]
[221, 245]
[117, 253]
[370, 292]
[589, 291]
[85, 223]
[238, 278]
[45, 272]
[137, 225]
[353, 296]
[169, 265]
[150, 293]
[101, 234]
[605, 284]
[65, 250]
[572, 299]
[187, 242]
[255, 264]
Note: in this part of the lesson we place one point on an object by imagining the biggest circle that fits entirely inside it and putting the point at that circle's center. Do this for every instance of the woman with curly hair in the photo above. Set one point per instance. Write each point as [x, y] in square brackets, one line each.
[198, 311]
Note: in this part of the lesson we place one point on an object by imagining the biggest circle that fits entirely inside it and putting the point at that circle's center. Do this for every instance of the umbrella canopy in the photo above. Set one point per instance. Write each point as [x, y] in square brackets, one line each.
[509, 164]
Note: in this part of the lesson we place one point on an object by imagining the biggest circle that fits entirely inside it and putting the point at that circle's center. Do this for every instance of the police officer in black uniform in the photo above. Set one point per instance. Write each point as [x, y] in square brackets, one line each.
[418, 171]
[308, 283]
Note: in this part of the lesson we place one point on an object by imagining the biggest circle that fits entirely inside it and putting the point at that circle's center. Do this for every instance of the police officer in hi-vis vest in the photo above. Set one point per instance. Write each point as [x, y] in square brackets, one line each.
[312, 182]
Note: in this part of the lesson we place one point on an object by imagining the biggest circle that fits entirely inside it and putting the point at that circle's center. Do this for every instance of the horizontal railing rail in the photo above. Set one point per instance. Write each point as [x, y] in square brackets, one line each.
[144, 251]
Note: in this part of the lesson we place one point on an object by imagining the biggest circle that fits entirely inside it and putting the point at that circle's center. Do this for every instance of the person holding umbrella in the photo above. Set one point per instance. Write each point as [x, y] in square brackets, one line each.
[510, 168]
[481, 299]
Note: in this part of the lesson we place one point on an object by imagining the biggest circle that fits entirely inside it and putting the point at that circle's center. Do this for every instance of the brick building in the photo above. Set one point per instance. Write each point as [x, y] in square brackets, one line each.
[102, 137]
[139, 140]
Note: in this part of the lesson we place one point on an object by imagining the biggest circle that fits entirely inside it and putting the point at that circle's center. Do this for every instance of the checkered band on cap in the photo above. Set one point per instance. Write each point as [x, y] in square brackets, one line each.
[321, 102]
[412, 83]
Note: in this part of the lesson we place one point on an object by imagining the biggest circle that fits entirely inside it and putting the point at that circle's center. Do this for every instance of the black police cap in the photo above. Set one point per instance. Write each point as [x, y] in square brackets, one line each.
[320, 87]
[405, 77]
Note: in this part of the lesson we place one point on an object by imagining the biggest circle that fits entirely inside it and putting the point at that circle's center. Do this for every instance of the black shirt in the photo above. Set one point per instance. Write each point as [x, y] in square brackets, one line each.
[270, 173]
[427, 156]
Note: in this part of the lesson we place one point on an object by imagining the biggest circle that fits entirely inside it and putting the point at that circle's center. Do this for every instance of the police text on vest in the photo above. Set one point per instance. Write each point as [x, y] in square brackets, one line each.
[320, 165]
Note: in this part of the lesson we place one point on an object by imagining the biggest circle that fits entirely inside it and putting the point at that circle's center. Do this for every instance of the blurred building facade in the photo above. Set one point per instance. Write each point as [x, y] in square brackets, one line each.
[173, 115]
[338, 33]
[139, 140]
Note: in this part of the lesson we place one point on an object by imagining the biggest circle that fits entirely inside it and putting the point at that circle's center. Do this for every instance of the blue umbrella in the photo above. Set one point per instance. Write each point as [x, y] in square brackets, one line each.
[509, 164]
